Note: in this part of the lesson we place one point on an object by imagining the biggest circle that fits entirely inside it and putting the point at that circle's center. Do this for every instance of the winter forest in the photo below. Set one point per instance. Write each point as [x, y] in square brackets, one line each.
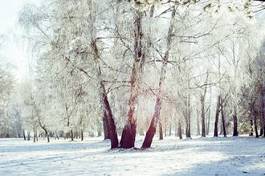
[134, 87]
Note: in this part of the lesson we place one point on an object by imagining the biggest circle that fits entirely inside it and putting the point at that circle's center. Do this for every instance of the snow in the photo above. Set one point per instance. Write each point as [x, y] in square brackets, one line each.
[199, 156]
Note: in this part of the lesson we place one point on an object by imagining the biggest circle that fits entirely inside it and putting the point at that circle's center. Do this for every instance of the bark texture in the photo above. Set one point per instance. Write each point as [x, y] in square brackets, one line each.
[217, 116]
[129, 130]
[203, 108]
[223, 117]
[161, 131]
[179, 130]
[235, 128]
[108, 121]
[156, 116]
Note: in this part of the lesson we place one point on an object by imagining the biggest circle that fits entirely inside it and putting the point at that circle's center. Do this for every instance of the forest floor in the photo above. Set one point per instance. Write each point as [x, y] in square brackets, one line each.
[191, 157]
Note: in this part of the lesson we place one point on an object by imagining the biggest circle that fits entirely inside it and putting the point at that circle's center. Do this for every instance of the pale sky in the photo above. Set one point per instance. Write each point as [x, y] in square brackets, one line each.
[8, 13]
[13, 50]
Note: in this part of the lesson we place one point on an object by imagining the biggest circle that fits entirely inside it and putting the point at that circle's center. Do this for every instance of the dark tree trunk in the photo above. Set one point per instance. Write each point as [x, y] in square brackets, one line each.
[129, 130]
[35, 136]
[109, 124]
[179, 130]
[251, 127]
[46, 133]
[44, 129]
[255, 124]
[28, 136]
[203, 107]
[161, 131]
[263, 126]
[223, 118]
[149, 134]
[262, 120]
[217, 117]
[82, 134]
[24, 135]
[152, 128]
[110, 121]
[47, 136]
[105, 126]
[203, 117]
[188, 134]
[71, 135]
[156, 116]
[235, 131]
[128, 135]
[187, 116]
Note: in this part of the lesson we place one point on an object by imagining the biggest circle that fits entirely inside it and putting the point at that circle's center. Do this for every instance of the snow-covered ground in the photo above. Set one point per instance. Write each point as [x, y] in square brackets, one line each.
[208, 156]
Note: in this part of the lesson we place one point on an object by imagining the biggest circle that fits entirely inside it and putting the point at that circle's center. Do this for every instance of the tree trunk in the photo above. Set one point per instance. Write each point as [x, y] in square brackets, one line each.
[152, 128]
[71, 135]
[198, 123]
[223, 118]
[217, 117]
[209, 113]
[264, 127]
[156, 116]
[46, 132]
[24, 135]
[170, 129]
[208, 122]
[235, 129]
[35, 136]
[179, 130]
[188, 134]
[108, 124]
[82, 134]
[255, 124]
[203, 107]
[105, 126]
[129, 130]
[47, 136]
[161, 131]
[262, 120]
[105, 106]
[188, 117]
[203, 116]
[28, 136]
[112, 133]
[251, 126]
